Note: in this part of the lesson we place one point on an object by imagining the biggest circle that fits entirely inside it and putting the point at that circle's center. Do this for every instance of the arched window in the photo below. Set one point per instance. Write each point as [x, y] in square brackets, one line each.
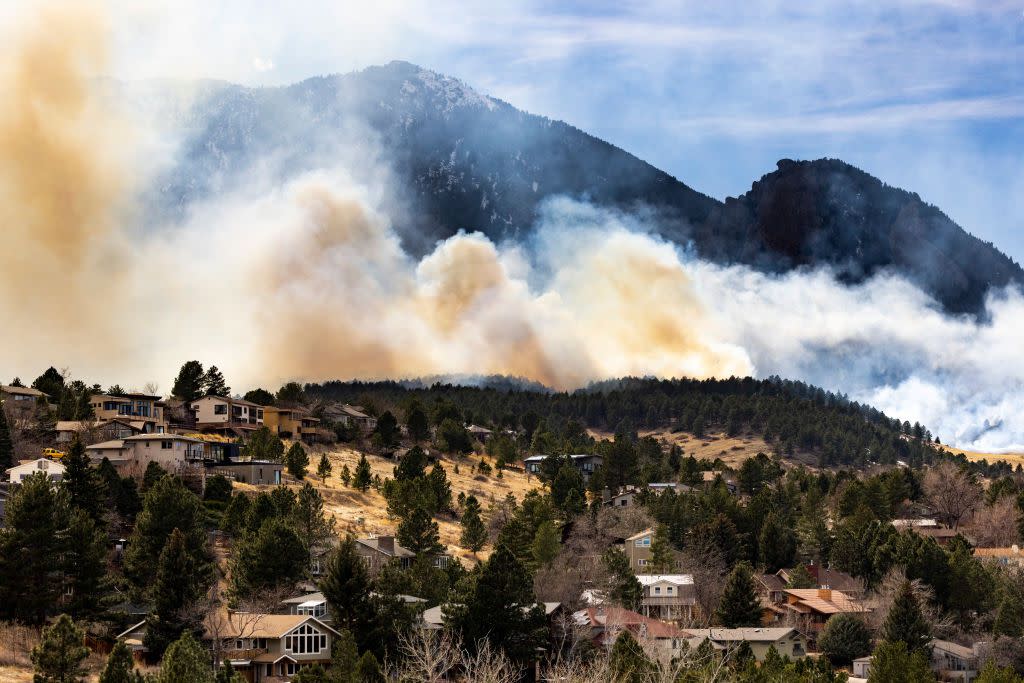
[305, 640]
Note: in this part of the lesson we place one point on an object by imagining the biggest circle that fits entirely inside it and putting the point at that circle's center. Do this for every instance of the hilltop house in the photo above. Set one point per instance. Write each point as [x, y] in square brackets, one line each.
[378, 551]
[812, 607]
[144, 412]
[349, 416]
[585, 463]
[788, 642]
[132, 455]
[1006, 556]
[97, 430]
[931, 528]
[826, 577]
[670, 597]
[638, 549]
[294, 423]
[54, 470]
[228, 416]
[14, 397]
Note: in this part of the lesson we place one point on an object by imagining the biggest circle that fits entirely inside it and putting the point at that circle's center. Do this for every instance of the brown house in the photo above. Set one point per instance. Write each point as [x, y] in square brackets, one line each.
[294, 423]
[638, 550]
[810, 608]
[143, 411]
[228, 416]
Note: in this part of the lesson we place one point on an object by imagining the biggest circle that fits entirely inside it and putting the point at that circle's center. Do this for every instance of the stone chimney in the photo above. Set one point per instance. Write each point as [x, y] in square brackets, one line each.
[386, 544]
[825, 594]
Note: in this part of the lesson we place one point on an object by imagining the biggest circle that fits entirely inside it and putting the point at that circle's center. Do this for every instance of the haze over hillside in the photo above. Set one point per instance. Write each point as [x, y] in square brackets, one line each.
[465, 161]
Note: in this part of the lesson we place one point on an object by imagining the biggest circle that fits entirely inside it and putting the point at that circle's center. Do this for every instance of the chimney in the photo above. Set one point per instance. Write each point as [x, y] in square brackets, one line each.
[386, 544]
[825, 594]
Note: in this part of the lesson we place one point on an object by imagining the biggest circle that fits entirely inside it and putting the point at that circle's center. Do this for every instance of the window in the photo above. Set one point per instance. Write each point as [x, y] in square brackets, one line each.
[259, 414]
[641, 563]
[220, 409]
[305, 640]
[657, 590]
[166, 445]
[239, 644]
[643, 542]
[270, 669]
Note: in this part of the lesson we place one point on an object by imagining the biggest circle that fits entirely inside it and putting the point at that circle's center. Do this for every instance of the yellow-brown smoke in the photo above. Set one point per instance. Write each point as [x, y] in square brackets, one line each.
[62, 184]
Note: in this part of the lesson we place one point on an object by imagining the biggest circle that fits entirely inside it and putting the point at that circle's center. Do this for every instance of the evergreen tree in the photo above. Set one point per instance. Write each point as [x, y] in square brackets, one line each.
[214, 384]
[218, 488]
[82, 481]
[311, 522]
[501, 608]
[567, 482]
[84, 565]
[83, 409]
[60, 653]
[624, 589]
[801, 578]
[272, 557]
[346, 586]
[291, 394]
[368, 669]
[386, 433]
[628, 662]
[546, 544]
[313, 673]
[31, 549]
[6, 443]
[418, 531]
[323, 468]
[188, 385]
[344, 657]
[413, 465]
[905, 623]
[260, 397]
[739, 606]
[441, 489]
[152, 475]
[263, 444]
[1009, 619]
[168, 505]
[50, 383]
[991, 673]
[296, 460]
[777, 544]
[362, 478]
[227, 674]
[662, 560]
[120, 667]
[416, 422]
[474, 533]
[345, 476]
[175, 593]
[236, 515]
[185, 660]
[891, 663]
[844, 638]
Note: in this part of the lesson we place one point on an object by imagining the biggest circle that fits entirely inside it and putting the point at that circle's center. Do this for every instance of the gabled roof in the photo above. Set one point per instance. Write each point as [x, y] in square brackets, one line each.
[961, 651]
[678, 579]
[610, 618]
[227, 399]
[254, 625]
[107, 445]
[21, 391]
[308, 597]
[51, 464]
[641, 534]
[161, 437]
[735, 635]
[823, 601]
[771, 582]
[374, 544]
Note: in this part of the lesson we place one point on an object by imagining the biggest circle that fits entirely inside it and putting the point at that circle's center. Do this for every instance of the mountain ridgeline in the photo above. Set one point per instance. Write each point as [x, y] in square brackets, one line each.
[463, 161]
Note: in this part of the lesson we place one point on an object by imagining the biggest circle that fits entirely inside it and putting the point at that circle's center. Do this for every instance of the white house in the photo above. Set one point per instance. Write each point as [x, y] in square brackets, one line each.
[53, 469]
[667, 596]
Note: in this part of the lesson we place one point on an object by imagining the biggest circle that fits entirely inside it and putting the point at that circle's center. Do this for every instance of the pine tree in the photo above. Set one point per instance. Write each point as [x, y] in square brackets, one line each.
[60, 653]
[624, 588]
[188, 385]
[777, 543]
[739, 606]
[82, 481]
[418, 531]
[662, 559]
[344, 657]
[474, 533]
[227, 674]
[175, 593]
[416, 422]
[891, 663]
[345, 476]
[628, 662]
[844, 638]
[84, 565]
[386, 433]
[441, 489]
[323, 468]
[801, 578]
[1009, 619]
[905, 623]
[363, 477]
[273, 557]
[120, 667]
[84, 409]
[346, 587]
[185, 660]
[152, 475]
[6, 443]
[296, 460]
[546, 544]
[214, 384]
[368, 669]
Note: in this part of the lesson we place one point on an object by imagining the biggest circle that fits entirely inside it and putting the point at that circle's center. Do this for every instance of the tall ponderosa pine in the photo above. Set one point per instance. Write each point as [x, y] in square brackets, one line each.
[777, 544]
[416, 422]
[120, 666]
[214, 384]
[60, 653]
[84, 561]
[263, 444]
[418, 531]
[624, 588]
[662, 558]
[167, 506]
[273, 557]
[905, 622]
[346, 587]
[323, 468]
[501, 608]
[739, 606]
[892, 663]
[363, 477]
[474, 533]
[82, 481]
[188, 385]
[6, 443]
[176, 591]
[186, 660]
[313, 525]
[546, 544]
[628, 661]
[84, 409]
[387, 433]
[297, 460]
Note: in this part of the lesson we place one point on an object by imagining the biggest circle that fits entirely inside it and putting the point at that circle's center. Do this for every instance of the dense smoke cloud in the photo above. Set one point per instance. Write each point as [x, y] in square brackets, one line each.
[309, 280]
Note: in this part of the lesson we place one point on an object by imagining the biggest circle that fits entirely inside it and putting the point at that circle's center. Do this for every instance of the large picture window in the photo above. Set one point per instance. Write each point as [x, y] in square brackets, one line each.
[305, 640]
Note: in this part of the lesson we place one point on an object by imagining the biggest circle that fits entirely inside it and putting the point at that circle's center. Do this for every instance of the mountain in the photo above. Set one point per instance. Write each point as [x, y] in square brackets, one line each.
[462, 160]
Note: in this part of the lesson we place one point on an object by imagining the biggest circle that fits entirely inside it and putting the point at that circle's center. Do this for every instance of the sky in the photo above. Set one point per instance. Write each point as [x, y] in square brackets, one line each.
[925, 94]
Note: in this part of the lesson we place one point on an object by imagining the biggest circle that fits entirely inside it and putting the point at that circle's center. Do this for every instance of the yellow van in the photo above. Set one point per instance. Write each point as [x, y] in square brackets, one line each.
[53, 453]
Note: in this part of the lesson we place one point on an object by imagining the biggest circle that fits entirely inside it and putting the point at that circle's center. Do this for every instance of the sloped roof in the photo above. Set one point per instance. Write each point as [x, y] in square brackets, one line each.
[735, 635]
[107, 445]
[618, 618]
[22, 391]
[641, 534]
[678, 579]
[374, 544]
[824, 601]
[955, 649]
[253, 625]
[772, 582]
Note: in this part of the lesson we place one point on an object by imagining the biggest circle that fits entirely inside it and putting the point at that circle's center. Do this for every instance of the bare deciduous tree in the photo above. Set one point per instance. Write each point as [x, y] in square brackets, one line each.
[995, 525]
[883, 596]
[488, 666]
[427, 656]
[952, 491]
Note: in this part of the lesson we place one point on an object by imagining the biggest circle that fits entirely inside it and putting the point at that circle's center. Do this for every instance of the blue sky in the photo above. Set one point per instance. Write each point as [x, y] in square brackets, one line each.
[926, 94]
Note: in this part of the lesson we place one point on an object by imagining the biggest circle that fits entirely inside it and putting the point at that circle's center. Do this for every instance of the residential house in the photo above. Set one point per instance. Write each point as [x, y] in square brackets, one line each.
[294, 423]
[249, 471]
[229, 416]
[432, 618]
[144, 412]
[602, 625]
[788, 642]
[93, 431]
[953, 662]
[812, 607]
[53, 469]
[378, 551]
[261, 647]
[628, 496]
[585, 463]
[927, 527]
[826, 577]
[638, 549]
[709, 477]
[349, 415]
[16, 397]
[132, 455]
[310, 604]
[670, 597]
[481, 434]
[1005, 556]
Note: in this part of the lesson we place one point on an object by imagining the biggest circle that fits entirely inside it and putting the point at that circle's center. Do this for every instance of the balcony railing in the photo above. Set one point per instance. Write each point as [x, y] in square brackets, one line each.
[669, 601]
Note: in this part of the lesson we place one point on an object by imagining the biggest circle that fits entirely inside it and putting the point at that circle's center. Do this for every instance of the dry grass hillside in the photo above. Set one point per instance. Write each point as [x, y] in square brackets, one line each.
[977, 456]
[733, 450]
